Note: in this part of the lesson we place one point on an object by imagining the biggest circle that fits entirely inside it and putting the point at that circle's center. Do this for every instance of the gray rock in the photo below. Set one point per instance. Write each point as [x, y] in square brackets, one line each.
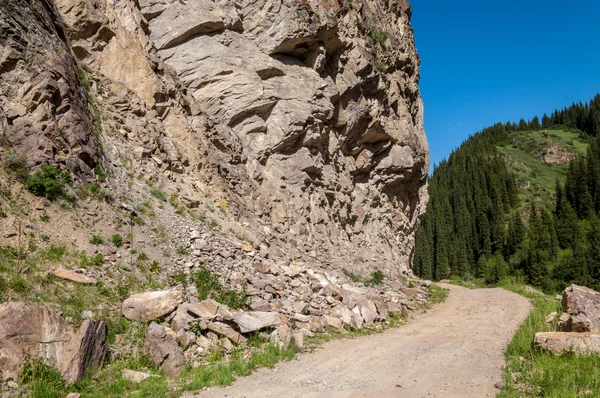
[134, 376]
[254, 320]
[163, 350]
[85, 351]
[583, 343]
[582, 305]
[149, 306]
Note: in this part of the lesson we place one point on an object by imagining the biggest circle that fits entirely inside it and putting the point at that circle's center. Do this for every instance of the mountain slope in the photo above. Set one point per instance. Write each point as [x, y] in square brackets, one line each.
[508, 202]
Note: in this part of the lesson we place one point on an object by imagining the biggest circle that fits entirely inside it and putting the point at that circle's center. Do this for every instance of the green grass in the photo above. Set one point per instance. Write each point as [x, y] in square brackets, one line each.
[438, 294]
[524, 154]
[531, 372]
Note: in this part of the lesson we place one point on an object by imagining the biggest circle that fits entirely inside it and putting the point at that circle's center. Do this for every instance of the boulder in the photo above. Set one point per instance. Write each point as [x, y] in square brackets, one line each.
[85, 351]
[134, 376]
[73, 276]
[210, 309]
[584, 343]
[149, 306]
[163, 350]
[582, 305]
[551, 317]
[254, 320]
[227, 331]
[30, 331]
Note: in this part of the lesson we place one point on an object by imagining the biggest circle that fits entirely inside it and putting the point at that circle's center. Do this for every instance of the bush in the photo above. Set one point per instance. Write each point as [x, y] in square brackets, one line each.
[117, 240]
[17, 164]
[376, 278]
[97, 239]
[209, 286]
[54, 253]
[100, 173]
[157, 193]
[155, 267]
[379, 36]
[48, 182]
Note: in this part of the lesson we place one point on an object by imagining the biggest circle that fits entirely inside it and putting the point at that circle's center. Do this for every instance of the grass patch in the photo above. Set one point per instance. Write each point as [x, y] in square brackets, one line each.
[531, 372]
[225, 374]
[209, 286]
[157, 193]
[438, 294]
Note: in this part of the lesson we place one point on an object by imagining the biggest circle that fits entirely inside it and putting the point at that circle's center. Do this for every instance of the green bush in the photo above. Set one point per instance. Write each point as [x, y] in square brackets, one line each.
[155, 267]
[376, 278]
[100, 173]
[54, 253]
[209, 286]
[97, 239]
[117, 240]
[17, 164]
[379, 36]
[48, 182]
[157, 193]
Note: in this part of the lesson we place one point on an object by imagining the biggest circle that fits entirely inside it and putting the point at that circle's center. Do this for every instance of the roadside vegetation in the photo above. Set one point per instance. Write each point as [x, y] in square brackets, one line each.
[531, 372]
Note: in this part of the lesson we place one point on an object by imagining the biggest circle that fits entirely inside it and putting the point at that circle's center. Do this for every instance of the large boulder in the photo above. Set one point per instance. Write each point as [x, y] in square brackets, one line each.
[562, 343]
[149, 306]
[254, 320]
[581, 306]
[30, 331]
[163, 350]
[85, 350]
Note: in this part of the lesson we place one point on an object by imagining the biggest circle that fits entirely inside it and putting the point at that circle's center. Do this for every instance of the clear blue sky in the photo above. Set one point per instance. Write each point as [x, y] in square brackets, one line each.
[484, 61]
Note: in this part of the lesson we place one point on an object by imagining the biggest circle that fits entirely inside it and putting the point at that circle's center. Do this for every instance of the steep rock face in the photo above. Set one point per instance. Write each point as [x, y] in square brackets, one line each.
[333, 146]
[304, 116]
[44, 110]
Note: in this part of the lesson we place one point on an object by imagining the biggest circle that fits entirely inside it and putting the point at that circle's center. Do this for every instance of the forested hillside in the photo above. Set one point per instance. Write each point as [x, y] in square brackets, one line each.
[519, 199]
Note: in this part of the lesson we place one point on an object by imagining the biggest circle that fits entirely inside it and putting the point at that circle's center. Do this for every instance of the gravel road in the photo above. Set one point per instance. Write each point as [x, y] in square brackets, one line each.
[454, 350]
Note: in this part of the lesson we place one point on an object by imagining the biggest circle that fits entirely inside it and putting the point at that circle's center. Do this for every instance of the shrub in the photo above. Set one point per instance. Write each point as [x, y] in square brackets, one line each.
[155, 267]
[48, 182]
[117, 240]
[182, 251]
[17, 164]
[97, 239]
[54, 253]
[209, 286]
[379, 36]
[157, 193]
[100, 173]
[376, 278]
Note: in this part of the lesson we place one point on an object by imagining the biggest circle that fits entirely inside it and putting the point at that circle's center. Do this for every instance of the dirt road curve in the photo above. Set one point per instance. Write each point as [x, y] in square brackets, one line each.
[455, 350]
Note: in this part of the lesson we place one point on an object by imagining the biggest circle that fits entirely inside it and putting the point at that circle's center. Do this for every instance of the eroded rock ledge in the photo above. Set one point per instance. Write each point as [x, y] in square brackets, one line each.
[308, 112]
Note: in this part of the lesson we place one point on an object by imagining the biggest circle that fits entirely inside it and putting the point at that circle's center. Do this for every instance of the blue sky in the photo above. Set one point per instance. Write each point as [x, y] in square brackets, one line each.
[484, 61]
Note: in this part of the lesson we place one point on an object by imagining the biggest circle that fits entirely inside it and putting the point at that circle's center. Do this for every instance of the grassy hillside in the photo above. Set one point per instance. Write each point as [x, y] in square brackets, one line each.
[539, 158]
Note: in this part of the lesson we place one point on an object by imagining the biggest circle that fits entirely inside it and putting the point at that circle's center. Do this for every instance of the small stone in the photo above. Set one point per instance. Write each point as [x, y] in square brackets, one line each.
[73, 276]
[551, 317]
[135, 377]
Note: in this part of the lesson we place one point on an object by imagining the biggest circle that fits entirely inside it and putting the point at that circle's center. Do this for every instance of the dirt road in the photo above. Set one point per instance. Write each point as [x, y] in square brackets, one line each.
[454, 350]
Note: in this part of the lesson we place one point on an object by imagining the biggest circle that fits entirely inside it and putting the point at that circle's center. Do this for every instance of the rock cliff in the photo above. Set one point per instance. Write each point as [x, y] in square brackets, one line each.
[272, 150]
[304, 117]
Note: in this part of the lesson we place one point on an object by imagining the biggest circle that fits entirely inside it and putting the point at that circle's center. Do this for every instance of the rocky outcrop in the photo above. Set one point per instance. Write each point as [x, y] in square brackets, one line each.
[149, 306]
[563, 343]
[31, 331]
[163, 350]
[85, 351]
[44, 107]
[581, 310]
[308, 113]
